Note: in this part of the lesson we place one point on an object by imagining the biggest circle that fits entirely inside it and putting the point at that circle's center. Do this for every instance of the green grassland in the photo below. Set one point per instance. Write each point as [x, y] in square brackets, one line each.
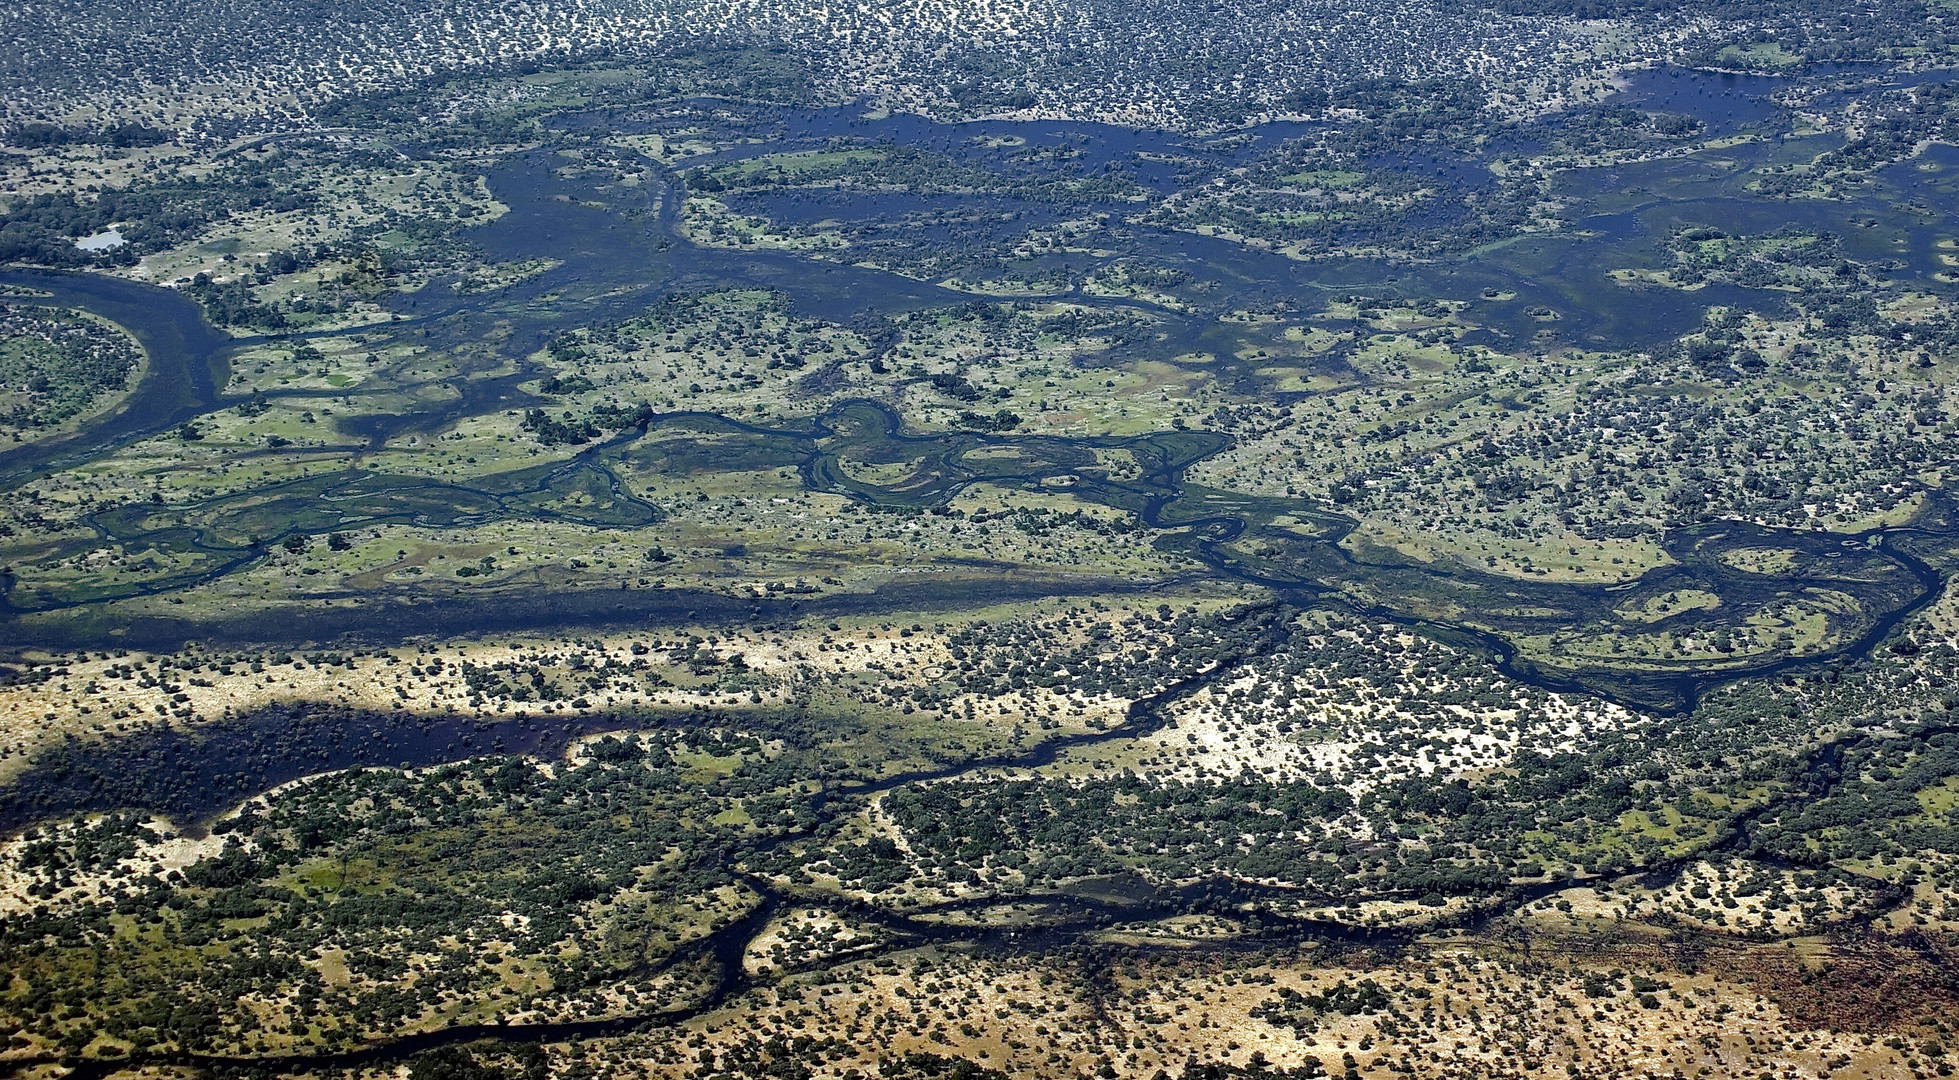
[58, 367]
[360, 906]
[1448, 459]
[1098, 579]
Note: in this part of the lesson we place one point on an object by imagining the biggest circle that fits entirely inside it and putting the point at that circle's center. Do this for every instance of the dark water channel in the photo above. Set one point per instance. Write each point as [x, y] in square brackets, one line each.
[1254, 539]
[186, 369]
[619, 254]
[1064, 919]
[1069, 918]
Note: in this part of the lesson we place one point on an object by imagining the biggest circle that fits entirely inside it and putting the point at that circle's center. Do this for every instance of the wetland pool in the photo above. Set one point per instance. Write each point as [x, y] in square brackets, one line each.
[618, 253]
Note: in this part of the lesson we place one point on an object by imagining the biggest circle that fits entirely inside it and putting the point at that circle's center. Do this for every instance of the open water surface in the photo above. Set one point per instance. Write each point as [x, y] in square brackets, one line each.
[619, 255]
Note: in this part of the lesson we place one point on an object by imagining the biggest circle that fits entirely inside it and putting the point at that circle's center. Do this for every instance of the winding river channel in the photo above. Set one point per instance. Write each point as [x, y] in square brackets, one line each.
[1066, 919]
[617, 251]
[1219, 530]
[614, 263]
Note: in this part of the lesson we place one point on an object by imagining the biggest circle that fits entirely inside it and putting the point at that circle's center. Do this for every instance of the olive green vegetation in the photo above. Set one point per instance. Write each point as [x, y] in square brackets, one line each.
[516, 891]
[1564, 786]
[1438, 477]
[1064, 401]
[361, 905]
[56, 365]
[1538, 463]
[364, 904]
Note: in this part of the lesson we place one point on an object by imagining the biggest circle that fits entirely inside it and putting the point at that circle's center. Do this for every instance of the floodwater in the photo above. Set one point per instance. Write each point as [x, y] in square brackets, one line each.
[106, 240]
[620, 254]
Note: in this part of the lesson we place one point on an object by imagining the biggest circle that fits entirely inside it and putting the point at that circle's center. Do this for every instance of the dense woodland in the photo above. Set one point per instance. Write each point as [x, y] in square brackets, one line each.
[56, 364]
[1265, 724]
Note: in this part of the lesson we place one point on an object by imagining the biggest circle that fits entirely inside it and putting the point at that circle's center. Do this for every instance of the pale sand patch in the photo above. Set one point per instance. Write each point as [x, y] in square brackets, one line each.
[1447, 1010]
[1321, 739]
[160, 850]
[806, 936]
